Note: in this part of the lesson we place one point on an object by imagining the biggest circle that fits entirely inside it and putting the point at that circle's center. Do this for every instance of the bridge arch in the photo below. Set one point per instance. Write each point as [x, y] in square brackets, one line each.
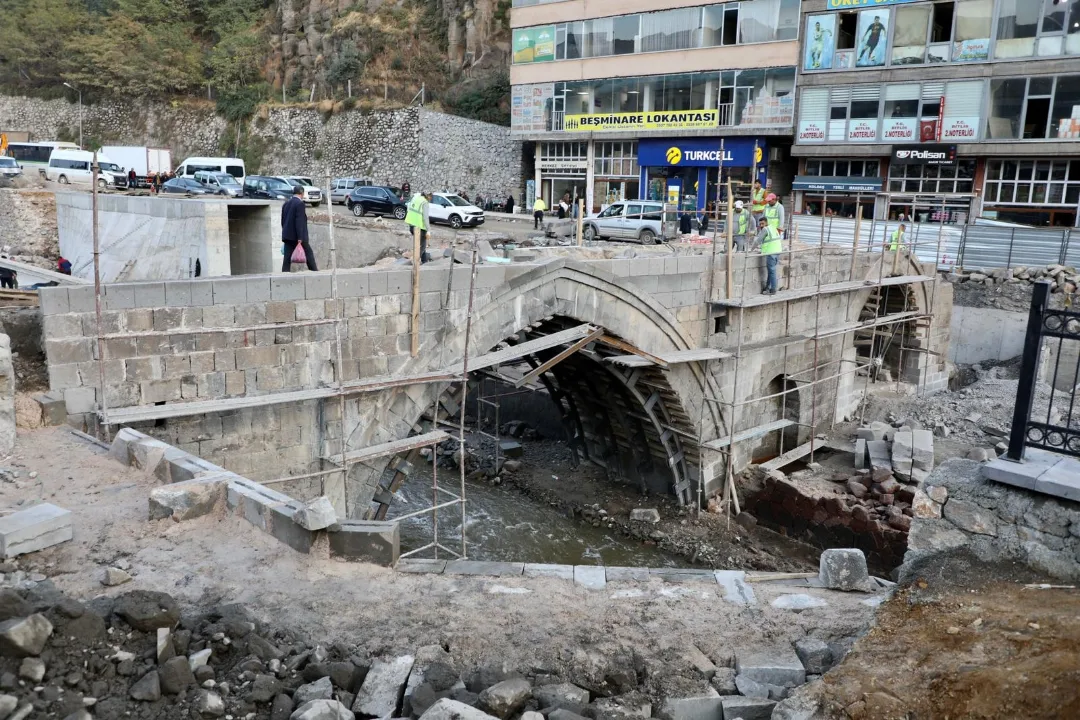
[664, 406]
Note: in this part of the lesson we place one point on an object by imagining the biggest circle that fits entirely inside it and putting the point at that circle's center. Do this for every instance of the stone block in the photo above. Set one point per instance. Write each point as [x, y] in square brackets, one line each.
[880, 457]
[33, 529]
[317, 286]
[861, 454]
[1062, 480]
[447, 709]
[563, 572]
[780, 667]
[592, 577]
[120, 450]
[53, 409]
[53, 300]
[149, 295]
[81, 299]
[352, 284]
[202, 293]
[902, 454]
[178, 293]
[374, 542]
[627, 574]
[287, 287]
[843, 569]
[118, 297]
[155, 391]
[816, 656]
[922, 450]
[736, 589]
[420, 566]
[649, 515]
[970, 517]
[189, 499]
[479, 567]
[258, 289]
[737, 707]
[923, 507]
[380, 695]
[80, 400]
[280, 312]
[706, 707]
[70, 351]
[230, 291]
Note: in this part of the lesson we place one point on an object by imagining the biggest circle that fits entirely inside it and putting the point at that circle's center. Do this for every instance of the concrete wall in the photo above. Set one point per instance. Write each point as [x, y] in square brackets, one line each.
[982, 334]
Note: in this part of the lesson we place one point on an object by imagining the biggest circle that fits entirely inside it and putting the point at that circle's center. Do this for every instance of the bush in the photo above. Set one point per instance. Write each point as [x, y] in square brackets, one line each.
[241, 103]
[487, 102]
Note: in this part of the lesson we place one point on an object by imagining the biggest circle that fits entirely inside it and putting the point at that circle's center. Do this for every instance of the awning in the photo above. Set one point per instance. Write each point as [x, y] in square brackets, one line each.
[837, 184]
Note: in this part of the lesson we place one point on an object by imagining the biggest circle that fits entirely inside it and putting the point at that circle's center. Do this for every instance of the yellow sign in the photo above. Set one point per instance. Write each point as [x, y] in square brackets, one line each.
[654, 120]
[673, 194]
[757, 154]
[674, 156]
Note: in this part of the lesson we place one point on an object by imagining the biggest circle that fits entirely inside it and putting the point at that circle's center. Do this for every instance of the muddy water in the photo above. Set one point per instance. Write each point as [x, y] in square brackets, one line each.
[504, 524]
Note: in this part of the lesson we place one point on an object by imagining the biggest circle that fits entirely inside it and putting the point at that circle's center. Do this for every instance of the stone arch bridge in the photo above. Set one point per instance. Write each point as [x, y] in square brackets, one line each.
[661, 361]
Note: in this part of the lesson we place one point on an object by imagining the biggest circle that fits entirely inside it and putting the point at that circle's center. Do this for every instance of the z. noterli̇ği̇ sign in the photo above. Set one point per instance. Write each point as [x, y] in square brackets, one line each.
[670, 120]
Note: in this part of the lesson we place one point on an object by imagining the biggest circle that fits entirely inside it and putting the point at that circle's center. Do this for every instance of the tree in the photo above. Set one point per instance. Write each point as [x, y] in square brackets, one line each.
[346, 66]
[35, 51]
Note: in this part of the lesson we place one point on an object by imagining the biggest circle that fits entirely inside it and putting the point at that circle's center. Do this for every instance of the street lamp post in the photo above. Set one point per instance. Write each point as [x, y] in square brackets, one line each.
[80, 110]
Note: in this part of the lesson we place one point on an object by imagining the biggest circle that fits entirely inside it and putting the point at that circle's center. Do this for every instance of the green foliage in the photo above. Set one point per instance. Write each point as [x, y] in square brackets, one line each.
[239, 103]
[346, 65]
[488, 102]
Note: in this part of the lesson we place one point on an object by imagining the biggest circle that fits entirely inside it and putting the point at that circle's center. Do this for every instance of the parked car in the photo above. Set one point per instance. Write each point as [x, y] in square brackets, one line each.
[187, 186]
[312, 194]
[9, 168]
[376, 200]
[262, 187]
[219, 183]
[454, 211]
[639, 220]
[342, 187]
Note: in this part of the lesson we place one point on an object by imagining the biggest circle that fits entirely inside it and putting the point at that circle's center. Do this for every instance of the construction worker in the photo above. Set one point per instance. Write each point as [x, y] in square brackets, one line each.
[741, 223]
[757, 201]
[768, 238]
[418, 217]
[774, 212]
[538, 212]
[898, 238]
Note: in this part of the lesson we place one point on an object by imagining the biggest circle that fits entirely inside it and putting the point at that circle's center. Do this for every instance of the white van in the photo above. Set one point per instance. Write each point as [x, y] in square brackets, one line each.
[73, 166]
[233, 166]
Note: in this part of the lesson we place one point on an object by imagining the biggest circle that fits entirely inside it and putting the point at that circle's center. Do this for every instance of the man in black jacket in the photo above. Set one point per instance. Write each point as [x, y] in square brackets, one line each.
[294, 230]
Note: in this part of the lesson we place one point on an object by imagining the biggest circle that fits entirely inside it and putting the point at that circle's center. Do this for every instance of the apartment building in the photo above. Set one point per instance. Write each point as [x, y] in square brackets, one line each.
[940, 110]
[654, 99]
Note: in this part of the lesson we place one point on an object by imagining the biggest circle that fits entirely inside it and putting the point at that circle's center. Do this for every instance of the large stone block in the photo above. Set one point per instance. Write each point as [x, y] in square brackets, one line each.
[34, 529]
[843, 569]
[189, 499]
[778, 667]
[380, 695]
[373, 542]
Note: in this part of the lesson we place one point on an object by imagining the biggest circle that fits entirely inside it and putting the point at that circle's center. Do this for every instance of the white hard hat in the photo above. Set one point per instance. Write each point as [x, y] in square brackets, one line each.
[738, 205]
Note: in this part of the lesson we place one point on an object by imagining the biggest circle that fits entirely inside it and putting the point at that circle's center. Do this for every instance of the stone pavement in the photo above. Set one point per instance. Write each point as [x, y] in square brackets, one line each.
[1042, 471]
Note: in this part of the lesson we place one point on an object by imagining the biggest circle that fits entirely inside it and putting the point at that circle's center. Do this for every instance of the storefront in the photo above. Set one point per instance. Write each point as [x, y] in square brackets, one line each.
[562, 168]
[687, 171]
[1043, 192]
[929, 183]
[836, 196]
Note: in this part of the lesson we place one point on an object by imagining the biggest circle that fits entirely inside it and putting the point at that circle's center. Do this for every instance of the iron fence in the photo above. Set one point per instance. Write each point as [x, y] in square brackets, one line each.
[968, 247]
[1059, 429]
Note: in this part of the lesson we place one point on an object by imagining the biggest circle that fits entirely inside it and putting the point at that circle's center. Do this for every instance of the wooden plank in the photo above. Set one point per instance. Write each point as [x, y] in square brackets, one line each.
[634, 350]
[670, 358]
[395, 447]
[790, 456]
[544, 367]
[530, 347]
[808, 292]
[749, 434]
[123, 416]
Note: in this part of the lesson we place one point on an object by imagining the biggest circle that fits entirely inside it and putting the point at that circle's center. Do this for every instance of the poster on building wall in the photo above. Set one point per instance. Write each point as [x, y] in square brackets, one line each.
[959, 129]
[821, 42]
[534, 44]
[862, 130]
[971, 50]
[529, 107]
[898, 130]
[871, 37]
[769, 110]
[811, 131]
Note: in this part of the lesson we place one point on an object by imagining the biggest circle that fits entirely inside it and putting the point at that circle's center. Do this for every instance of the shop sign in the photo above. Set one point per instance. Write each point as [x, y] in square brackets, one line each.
[863, 4]
[971, 50]
[960, 128]
[529, 107]
[837, 184]
[862, 131]
[562, 164]
[656, 120]
[532, 45]
[900, 130]
[925, 155]
[811, 132]
[700, 152]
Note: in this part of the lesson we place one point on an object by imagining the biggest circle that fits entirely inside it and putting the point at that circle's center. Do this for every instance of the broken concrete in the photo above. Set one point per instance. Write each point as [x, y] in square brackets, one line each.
[317, 514]
[34, 529]
[190, 499]
[380, 695]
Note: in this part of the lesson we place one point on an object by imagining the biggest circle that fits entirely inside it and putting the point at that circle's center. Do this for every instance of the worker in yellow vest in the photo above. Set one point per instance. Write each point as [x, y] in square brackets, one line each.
[771, 246]
[757, 201]
[741, 222]
[774, 212]
[418, 216]
[538, 212]
[898, 238]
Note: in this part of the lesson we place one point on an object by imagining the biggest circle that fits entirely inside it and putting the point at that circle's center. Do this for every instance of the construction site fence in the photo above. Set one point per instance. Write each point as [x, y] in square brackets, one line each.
[966, 247]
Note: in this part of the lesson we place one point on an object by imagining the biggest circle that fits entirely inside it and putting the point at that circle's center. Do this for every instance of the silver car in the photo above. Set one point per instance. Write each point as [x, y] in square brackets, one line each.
[219, 183]
[341, 188]
[638, 220]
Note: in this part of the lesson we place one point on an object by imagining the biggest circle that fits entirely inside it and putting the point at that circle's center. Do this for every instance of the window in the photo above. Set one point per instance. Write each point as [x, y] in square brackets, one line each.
[842, 168]
[625, 33]
[1052, 182]
[933, 179]
[971, 38]
[941, 27]
[669, 30]
[1018, 24]
[1063, 121]
[1006, 106]
[234, 170]
[845, 37]
[616, 159]
[911, 25]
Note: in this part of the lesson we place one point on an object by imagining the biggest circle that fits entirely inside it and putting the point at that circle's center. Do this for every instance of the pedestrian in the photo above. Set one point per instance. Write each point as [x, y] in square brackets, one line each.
[685, 228]
[538, 212]
[769, 240]
[63, 266]
[774, 212]
[464, 196]
[406, 191]
[741, 224]
[131, 178]
[418, 217]
[479, 202]
[757, 201]
[294, 230]
[898, 238]
[564, 207]
[509, 207]
[8, 278]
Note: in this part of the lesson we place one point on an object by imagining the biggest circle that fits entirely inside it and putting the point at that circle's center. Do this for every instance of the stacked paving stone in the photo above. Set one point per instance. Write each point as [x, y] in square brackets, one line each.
[1062, 278]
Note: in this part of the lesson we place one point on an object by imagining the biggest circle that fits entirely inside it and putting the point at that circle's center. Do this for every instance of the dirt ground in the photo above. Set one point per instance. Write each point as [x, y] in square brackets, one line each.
[968, 642]
[531, 622]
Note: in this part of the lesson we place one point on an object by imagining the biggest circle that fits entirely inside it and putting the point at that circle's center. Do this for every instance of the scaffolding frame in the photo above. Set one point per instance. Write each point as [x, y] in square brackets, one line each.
[902, 321]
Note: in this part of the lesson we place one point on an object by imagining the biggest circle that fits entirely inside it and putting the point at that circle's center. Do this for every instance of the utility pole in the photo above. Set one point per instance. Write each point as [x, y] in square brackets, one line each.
[80, 111]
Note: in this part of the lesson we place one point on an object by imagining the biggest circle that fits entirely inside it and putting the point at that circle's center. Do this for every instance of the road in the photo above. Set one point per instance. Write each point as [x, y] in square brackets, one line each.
[516, 226]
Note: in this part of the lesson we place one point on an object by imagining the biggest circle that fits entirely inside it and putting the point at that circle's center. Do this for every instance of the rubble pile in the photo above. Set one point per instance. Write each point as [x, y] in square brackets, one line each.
[1062, 278]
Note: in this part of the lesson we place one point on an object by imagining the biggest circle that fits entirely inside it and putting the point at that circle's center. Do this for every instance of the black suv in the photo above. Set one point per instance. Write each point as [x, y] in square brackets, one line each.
[377, 200]
[267, 188]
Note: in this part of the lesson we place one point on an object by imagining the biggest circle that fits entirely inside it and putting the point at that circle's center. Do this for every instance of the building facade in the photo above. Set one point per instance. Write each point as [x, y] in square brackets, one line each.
[654, 99]
[940, 110]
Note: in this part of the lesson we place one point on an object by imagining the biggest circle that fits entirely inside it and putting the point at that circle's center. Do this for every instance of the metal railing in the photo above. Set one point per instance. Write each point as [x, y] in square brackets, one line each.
[971, 247]
[1059, 430]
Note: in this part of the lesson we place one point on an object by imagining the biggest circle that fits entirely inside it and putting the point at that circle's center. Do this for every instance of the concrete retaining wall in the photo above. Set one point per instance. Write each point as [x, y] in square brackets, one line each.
[982, 334]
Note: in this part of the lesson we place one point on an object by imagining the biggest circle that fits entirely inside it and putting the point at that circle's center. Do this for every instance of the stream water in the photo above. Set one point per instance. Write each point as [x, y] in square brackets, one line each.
[506, 525]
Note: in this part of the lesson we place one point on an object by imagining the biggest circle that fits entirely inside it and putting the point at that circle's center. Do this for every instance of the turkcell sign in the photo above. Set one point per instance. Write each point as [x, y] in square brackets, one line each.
[700, 152]
[924, 155]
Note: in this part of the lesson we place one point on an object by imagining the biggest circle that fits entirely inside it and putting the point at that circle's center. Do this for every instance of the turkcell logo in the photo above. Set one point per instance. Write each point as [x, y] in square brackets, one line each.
[676, 155]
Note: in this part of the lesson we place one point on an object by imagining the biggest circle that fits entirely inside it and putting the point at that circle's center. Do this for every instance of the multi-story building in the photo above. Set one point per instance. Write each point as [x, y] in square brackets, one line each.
[636, 99]
[950, 109]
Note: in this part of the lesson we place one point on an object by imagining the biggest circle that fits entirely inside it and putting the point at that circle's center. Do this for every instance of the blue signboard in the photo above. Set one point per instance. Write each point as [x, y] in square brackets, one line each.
[700, 152]
[863, 4]
[837, 184]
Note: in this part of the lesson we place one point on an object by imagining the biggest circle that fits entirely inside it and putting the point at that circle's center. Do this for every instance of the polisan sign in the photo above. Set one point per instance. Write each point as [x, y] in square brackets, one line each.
[925, 155]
